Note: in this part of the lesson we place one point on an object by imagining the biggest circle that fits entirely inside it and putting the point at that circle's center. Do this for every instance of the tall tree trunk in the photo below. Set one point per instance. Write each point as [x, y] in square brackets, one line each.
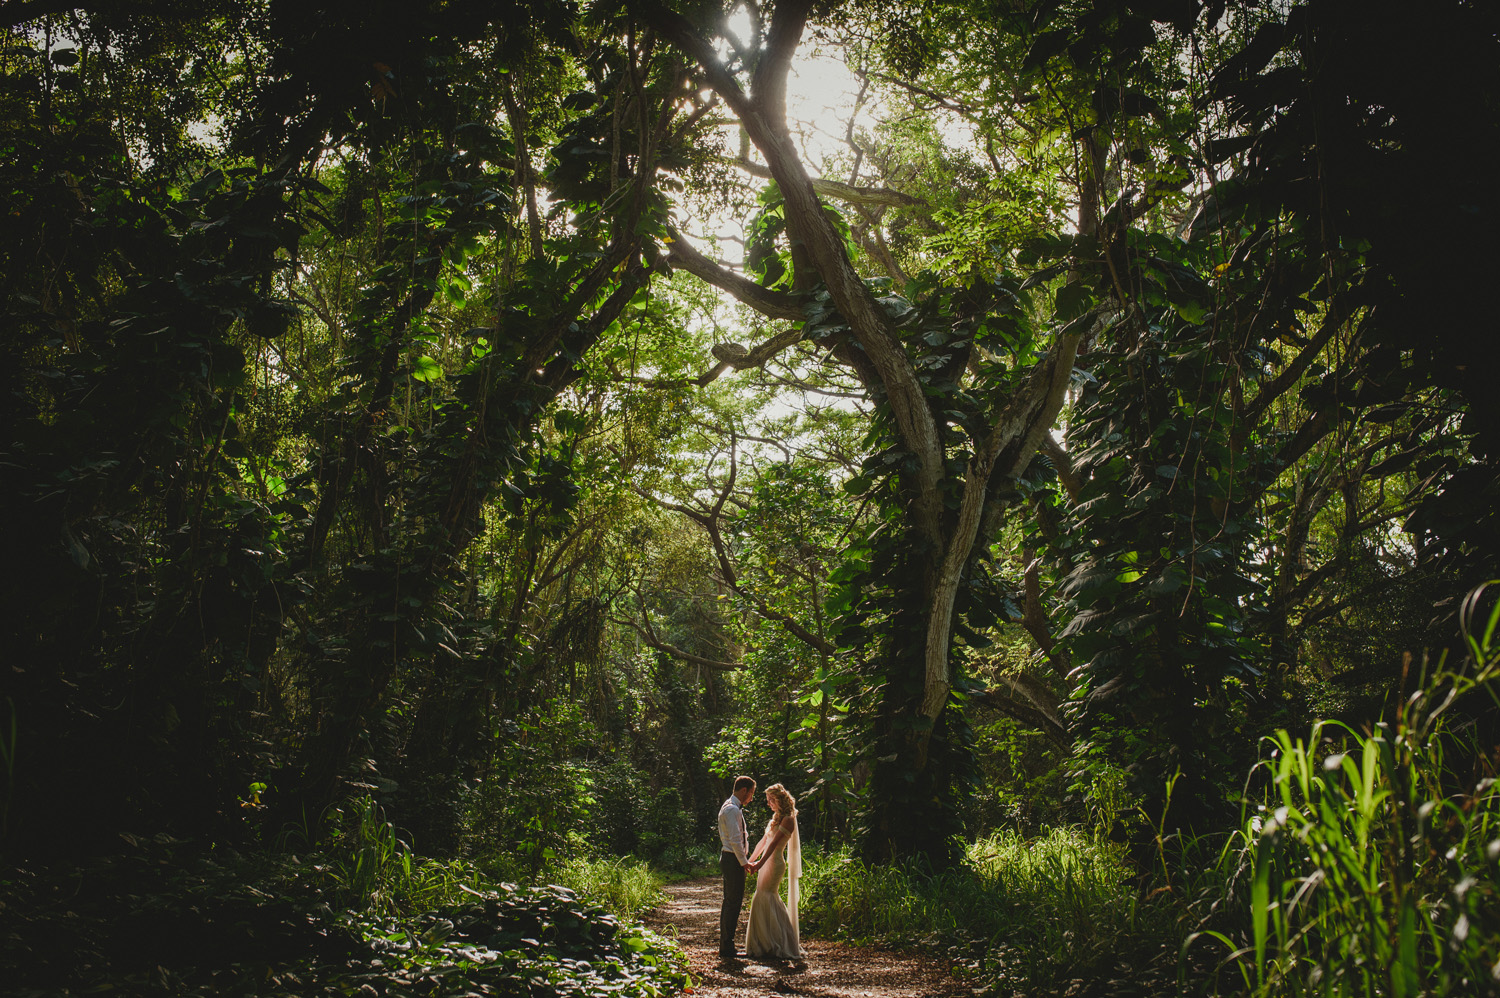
[920, 752]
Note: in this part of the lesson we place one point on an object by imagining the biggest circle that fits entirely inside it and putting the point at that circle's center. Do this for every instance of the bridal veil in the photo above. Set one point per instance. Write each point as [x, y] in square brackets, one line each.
[794, 874]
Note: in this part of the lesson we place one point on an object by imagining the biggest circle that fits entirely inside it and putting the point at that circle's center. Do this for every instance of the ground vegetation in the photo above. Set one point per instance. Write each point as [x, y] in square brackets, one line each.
[444, 445]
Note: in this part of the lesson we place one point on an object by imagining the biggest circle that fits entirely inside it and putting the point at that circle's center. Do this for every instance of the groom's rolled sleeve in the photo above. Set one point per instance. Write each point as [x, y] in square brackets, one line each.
[732, 832]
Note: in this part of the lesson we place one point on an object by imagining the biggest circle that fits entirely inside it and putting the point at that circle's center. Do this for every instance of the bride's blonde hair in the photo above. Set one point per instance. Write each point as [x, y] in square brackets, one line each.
[787, 802]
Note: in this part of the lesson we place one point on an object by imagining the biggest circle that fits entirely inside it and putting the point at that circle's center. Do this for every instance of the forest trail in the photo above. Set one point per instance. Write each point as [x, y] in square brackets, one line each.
[832, 969]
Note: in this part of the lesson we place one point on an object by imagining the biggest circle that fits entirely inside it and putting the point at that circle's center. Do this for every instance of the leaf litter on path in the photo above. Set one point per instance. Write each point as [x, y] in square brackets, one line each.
[831, 969]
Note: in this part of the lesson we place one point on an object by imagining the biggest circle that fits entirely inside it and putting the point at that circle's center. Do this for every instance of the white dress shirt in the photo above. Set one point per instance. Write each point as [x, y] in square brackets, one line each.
[732, 833]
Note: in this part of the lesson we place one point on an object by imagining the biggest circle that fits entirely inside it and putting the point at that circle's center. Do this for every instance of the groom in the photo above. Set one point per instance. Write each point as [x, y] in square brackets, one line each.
[733, 862]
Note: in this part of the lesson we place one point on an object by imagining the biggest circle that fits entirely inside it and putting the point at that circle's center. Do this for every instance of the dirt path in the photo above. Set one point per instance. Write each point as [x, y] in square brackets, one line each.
[832, 970]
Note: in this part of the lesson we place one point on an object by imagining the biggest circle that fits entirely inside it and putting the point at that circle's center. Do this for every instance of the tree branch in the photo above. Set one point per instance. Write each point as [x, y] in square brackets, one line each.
[868, 235]
[1016, 698]
[1019, 430]
[1034, 615]
[881, 197]
[1063, 462]
[730, 356]
[885, 364]
[773, 304]
[768, 81]
[941, 100]
[653, 641]
[524, 172]
[1289, 375]
[737, 357]
[709, 521]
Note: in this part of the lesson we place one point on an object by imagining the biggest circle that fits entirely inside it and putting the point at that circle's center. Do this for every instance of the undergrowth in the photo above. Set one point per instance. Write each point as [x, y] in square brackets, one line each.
[359, 915]
[1370, 863]
[1367, 865]
[626, 886]
[1018, 912]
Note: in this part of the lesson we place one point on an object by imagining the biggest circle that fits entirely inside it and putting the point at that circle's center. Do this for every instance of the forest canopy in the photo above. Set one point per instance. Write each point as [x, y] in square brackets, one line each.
[516, 414]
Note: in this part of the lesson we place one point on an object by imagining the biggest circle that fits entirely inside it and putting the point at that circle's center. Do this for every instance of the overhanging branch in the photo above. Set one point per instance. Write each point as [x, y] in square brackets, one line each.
[652, 641]
[770, 303]
[1016, 697]
[876, 197]
[709, 519]
[729, 357]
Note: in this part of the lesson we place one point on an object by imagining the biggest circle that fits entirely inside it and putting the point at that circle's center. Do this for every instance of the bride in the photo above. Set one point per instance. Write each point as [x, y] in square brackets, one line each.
[773, 932]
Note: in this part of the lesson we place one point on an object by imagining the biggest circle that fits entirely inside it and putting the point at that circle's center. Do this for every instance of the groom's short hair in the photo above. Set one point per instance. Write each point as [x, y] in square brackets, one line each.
[744, 783]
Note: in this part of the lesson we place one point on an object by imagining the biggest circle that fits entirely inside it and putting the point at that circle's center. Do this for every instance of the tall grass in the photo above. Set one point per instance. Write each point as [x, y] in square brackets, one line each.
[626, 886]
[1032, 911]
[1374, 860]
[370, 868]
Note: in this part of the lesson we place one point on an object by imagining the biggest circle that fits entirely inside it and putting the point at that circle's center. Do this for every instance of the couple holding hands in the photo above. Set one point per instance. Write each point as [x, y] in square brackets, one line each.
[772, 933]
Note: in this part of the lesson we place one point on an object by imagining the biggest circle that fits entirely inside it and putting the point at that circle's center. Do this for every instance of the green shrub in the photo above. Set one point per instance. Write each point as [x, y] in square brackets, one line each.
[616, 828]
[168, 917]
[519, 819]
[543, 941]
[697, 860]
[845, 898]
[632, 818]
[364, 857]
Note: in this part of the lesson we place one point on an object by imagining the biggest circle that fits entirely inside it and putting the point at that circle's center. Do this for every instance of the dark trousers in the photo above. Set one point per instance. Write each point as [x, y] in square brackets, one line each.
[734, 900]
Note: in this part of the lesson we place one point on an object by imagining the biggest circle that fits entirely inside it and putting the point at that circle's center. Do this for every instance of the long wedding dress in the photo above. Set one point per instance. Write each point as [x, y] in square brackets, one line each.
[773, 932]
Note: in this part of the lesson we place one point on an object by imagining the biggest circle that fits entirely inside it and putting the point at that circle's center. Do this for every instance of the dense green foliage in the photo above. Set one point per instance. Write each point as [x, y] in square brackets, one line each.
[161, 918]
[1019, 912]
[389, 483]
[1373, 863]
[1366, 864]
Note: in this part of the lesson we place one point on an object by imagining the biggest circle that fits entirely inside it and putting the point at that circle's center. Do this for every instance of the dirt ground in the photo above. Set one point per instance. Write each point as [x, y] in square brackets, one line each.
[831, 970]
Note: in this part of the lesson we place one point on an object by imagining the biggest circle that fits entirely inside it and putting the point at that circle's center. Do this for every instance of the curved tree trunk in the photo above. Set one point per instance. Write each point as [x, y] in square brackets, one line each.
[920, 752]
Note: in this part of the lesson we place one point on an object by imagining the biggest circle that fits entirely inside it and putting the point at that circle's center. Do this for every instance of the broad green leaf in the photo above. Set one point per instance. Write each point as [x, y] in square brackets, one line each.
[426, 369]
